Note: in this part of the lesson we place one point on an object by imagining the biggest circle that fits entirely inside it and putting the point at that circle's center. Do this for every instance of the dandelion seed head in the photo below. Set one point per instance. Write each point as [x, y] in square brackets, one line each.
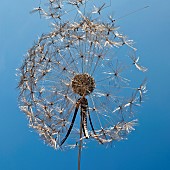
[74, 69]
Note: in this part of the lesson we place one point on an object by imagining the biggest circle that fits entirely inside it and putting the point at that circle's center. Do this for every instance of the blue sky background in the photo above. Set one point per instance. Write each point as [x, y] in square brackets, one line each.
[147, 148]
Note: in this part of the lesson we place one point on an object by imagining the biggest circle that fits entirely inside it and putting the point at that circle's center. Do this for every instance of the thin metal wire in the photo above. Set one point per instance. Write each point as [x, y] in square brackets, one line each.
[80, 147]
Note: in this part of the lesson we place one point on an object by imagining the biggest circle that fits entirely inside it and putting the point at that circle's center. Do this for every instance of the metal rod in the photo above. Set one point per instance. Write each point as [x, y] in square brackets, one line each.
[80, 147]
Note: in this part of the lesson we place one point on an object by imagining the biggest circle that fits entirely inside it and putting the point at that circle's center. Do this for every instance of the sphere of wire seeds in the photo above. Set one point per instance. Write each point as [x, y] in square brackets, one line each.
[78, 59]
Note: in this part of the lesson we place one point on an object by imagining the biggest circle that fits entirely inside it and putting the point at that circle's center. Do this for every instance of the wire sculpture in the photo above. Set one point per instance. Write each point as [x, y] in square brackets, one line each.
[79, 67]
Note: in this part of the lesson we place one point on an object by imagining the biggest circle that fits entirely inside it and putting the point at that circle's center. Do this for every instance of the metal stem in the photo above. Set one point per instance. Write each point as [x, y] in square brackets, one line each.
[80, 147]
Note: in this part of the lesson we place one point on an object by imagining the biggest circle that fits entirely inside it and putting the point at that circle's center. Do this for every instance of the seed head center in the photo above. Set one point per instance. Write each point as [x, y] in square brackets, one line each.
[83, 84]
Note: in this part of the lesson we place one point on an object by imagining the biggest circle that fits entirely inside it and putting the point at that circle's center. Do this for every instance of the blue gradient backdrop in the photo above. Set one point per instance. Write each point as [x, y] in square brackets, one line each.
[147, 148]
